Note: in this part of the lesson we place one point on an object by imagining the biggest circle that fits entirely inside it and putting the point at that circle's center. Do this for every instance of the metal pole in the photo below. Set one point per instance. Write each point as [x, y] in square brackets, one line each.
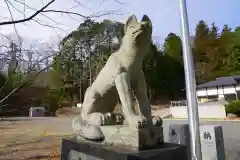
[193, 118]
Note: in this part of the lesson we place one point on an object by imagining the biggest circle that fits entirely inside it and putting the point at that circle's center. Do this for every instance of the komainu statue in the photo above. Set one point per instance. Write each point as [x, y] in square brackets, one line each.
[121, 75]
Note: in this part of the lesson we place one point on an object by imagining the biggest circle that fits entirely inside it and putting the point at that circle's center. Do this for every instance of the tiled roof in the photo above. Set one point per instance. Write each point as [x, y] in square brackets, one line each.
[222, 81]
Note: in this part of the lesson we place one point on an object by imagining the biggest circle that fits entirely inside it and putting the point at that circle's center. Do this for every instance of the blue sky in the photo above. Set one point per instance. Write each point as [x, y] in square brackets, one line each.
[163, 13]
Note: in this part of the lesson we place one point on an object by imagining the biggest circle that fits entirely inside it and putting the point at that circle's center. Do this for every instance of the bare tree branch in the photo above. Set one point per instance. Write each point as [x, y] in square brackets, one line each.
[4, 84]
[94, 15]
[14, 25]
[119, 2]
[25, 78]
[47, 25]
[42, 10]
[79, 4]
[24, 9]
[67, 12]
[25, 5]
[29, 18]
[100, 14]
[22, 13]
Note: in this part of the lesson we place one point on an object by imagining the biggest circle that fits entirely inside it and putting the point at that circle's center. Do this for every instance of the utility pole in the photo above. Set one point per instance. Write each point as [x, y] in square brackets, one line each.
[88, 39]
[190, 82]
[13, 54]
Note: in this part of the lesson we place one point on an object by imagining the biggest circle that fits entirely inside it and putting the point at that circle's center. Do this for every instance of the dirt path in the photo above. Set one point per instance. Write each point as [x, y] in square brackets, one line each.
[32, 139]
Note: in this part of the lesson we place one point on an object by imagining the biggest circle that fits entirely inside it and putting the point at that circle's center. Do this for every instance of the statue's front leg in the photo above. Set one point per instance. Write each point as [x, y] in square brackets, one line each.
[122, 82]
[140, 91]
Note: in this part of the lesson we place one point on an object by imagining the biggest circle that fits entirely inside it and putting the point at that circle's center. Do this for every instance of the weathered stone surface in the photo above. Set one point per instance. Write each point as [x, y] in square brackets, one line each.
[212, 142]
[128, 136]
[121, 74]
[73, 149]
[179, 134]
[211, 137]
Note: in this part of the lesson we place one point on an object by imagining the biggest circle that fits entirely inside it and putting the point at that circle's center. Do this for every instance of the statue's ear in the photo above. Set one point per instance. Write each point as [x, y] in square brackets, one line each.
[131, 21]
[145, 18]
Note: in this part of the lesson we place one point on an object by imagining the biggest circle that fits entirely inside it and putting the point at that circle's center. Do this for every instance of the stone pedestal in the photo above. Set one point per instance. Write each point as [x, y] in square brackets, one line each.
[212, 142]
[137, 138]
[75, 149]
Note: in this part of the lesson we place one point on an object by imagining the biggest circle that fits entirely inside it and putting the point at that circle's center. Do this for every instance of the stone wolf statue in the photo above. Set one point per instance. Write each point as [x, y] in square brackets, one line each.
[121, 74]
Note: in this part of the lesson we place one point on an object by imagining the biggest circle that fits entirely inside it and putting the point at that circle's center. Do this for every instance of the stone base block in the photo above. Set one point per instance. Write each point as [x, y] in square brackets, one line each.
[75, 149]
[138, 138]
[212, 142]
[179, 134]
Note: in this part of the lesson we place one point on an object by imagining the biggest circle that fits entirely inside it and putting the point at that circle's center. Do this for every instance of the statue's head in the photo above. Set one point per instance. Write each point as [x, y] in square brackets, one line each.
[138, 32]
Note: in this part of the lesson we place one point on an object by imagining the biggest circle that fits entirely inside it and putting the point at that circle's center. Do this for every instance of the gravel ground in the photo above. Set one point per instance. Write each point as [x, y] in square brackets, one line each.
[32, 138]
[40, 138]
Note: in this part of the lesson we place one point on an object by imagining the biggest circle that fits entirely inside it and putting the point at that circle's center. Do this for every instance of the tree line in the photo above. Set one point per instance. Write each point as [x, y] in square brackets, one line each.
[84, 51]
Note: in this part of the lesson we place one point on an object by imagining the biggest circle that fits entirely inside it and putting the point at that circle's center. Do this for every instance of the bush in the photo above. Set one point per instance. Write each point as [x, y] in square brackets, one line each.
[53, 100]
[233, 107]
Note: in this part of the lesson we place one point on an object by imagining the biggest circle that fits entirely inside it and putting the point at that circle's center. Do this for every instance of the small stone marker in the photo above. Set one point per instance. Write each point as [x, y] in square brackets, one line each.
[37, 112]
[212, 142]
[179, 134]
[211, 137]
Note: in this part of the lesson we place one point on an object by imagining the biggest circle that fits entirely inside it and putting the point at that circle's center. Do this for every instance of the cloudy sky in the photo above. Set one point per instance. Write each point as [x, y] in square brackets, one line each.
[163, 13]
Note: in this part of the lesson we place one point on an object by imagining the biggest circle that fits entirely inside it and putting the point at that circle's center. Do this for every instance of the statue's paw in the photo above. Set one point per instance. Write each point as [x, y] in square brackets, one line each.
[138, 121]
[107, 119]
[91, 132]
[157, 121]
[77, 125]
[86, 130]
[113, 119]
[119, 119]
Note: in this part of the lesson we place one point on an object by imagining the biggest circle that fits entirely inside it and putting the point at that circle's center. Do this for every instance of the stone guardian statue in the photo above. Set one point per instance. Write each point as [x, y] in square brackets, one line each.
[121, 74]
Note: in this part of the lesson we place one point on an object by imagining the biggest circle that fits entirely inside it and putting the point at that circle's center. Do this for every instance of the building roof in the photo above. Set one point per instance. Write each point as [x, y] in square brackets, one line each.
[221, 81]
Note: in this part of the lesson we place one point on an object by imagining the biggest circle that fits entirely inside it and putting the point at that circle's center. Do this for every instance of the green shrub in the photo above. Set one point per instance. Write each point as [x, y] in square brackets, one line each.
[53, 100]
[233, 107]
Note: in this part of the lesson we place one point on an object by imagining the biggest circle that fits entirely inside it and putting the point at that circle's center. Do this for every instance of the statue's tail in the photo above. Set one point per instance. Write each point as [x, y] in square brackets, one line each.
[84, 129]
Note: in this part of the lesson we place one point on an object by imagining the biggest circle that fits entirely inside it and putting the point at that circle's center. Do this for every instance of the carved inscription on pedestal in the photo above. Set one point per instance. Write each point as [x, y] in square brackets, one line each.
[212, 142]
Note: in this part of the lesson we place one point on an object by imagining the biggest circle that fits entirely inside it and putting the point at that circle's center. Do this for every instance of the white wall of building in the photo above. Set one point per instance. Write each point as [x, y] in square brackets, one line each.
[218, 91]
[206, 110]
